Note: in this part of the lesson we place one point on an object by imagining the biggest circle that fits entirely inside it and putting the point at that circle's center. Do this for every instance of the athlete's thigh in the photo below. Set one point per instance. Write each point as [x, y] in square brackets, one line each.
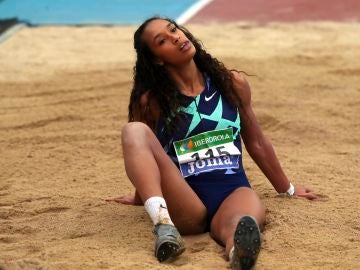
[242, 201]
[185, 208]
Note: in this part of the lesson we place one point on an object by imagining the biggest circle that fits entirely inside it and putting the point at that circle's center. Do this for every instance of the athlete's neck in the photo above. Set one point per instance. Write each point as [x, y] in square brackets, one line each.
[188, 79]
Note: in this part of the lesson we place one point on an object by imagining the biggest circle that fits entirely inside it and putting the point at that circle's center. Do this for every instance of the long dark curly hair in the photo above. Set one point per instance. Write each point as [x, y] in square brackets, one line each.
[153, 79]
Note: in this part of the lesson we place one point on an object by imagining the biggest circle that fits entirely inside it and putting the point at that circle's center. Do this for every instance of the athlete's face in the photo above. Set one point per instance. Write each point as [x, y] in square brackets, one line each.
[168, 43]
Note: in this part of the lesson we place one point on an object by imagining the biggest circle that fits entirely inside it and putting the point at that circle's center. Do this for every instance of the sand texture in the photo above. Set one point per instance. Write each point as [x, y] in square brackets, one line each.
[63, 99]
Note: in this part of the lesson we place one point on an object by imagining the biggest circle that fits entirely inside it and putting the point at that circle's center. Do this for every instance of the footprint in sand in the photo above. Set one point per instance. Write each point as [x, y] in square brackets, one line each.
[198, 246]
[52, 209]
[346, 72]
[7, 239]
[267, 121]
[44, 122]
[29, 264]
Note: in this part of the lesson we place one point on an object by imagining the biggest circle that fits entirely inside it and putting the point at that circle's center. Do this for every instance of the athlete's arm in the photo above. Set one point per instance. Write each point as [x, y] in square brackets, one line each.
[258, 146]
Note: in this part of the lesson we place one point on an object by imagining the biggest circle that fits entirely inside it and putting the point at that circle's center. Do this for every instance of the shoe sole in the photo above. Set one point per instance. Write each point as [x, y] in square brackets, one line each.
[246, 244]
[168, 250]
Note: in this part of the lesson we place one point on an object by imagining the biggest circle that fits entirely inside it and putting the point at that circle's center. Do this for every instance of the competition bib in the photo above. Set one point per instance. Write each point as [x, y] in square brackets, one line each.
[207, 151]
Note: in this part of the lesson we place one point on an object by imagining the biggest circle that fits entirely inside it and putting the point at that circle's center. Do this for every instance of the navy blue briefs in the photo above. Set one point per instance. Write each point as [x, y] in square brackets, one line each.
[213, 188]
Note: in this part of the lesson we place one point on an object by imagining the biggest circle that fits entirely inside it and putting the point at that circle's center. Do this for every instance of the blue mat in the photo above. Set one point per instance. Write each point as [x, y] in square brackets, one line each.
[81, 12]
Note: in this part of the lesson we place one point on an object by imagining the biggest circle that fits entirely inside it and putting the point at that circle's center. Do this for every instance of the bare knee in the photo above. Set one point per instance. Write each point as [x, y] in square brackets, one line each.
[135, 134]
[250, 204]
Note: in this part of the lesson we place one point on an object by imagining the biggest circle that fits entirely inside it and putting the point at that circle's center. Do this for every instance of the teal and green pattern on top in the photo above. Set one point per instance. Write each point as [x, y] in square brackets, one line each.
[215, 116]
[211, 99]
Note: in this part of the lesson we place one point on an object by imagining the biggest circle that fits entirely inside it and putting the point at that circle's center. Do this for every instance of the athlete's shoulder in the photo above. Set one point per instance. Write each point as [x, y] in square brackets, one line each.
[241, 87]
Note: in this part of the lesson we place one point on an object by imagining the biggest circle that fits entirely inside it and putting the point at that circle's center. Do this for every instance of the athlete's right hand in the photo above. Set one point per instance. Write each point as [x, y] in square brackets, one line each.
[125, 199]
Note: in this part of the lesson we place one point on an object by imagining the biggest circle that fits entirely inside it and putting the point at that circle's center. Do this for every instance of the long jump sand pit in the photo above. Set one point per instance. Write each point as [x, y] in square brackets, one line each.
[64, 94]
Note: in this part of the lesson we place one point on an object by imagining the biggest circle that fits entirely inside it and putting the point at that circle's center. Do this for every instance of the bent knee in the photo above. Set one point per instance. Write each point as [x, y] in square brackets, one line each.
[252, 204]
[134, 133]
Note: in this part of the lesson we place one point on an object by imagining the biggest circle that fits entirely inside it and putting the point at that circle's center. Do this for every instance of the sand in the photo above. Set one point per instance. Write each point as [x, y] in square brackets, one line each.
[63, 99]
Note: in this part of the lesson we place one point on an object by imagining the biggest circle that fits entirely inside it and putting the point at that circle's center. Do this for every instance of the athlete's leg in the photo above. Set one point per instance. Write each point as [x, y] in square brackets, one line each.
[241, 202]
[154, 174]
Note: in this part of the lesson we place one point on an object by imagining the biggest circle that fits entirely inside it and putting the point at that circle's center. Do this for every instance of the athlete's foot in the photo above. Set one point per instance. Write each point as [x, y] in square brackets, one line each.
[168, 243]
[246, 244]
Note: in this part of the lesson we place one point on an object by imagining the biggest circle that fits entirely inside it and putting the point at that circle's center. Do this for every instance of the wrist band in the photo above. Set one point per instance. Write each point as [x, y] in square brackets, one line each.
[291, 190]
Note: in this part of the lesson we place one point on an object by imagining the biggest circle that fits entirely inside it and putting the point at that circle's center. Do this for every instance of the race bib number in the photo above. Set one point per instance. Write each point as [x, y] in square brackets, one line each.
[207, 151]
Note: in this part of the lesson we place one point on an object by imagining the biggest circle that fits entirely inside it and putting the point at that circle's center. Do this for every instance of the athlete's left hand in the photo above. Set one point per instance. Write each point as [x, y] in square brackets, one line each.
[304, 192]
